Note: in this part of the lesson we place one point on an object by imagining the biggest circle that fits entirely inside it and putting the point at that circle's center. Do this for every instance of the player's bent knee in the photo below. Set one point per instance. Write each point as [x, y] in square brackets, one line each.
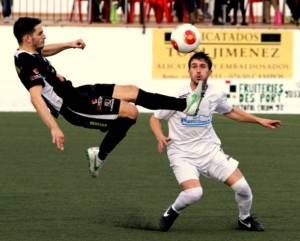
[128, 110]
[134, 88]
[134, 113]
[127, 93]
[242, 187]
[132, 91]
[194, 194]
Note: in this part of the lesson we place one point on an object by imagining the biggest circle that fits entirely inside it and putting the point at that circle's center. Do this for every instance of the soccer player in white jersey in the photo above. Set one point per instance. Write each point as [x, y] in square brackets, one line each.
[194, 149]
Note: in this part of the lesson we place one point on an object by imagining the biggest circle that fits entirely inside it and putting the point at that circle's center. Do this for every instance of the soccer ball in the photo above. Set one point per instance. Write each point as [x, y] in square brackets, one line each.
[185, 38]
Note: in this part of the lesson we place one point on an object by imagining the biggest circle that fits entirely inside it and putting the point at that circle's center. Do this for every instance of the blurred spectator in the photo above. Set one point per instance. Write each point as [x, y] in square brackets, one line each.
[206, 10]
[267, 9]
[121, 4]
[96, 11]
[294, 6]
[101, 11]
[203, 9]
[235, 5]
[218, 12]
[191, 8]
[6, 9]
[178, 8]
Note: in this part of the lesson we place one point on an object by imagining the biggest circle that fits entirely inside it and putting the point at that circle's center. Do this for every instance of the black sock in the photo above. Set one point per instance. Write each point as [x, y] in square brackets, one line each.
[115, 134]
[157, 101]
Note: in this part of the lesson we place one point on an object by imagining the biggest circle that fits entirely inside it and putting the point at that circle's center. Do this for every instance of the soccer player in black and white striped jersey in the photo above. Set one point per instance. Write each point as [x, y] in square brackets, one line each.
[107, 107]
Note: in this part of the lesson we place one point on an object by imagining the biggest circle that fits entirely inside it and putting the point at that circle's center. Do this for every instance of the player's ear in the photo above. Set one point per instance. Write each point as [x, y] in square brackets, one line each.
[210, 72]
[27, 39]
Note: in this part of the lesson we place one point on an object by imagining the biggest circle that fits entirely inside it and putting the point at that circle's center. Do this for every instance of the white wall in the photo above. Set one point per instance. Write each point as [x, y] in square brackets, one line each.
[112, 55]
[124, 56]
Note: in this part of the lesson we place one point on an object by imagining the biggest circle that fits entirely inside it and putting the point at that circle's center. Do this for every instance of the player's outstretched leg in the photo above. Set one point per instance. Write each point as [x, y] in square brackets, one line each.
[154, 101]
[94, 161]
[167, 220]
[251, 224]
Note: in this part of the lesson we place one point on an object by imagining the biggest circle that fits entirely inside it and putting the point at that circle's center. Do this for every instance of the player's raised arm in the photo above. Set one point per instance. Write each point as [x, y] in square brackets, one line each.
[242, 116]
[52, 49]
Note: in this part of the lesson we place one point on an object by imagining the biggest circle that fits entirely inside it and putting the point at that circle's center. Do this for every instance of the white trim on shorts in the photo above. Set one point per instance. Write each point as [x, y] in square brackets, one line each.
[94, 116]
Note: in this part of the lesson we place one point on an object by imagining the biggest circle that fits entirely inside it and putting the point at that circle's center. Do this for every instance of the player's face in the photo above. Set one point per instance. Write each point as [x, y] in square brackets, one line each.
[38, 38]
[199, 71]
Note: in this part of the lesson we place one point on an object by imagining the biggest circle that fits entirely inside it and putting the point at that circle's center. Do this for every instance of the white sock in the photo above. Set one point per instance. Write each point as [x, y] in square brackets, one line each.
[243, 197]
[187, 197]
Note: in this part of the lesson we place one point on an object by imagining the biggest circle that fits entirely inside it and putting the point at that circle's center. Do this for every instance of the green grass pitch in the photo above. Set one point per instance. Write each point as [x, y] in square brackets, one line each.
[46, 194]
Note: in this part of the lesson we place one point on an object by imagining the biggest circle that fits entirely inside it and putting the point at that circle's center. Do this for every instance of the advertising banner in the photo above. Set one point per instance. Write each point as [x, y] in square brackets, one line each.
[235, 53]
[267, 96]
[254, 67]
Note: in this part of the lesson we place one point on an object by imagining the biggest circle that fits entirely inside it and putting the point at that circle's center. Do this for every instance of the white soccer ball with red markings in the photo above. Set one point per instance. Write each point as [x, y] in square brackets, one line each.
[185, 38]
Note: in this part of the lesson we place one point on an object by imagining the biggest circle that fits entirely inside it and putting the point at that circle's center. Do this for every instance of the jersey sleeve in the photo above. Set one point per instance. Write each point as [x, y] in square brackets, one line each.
[224, 106]
[28, 70]
[163, 114]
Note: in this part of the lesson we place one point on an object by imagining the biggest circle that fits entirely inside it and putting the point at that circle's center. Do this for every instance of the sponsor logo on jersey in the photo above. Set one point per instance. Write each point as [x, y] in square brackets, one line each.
[99, 103]
[37, 76]
[95, 123]
[35, 70]
[109, 103]
[198, 120]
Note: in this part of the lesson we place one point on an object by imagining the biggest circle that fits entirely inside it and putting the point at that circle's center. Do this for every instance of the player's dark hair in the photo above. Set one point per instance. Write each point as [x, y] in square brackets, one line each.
[23, 26]
[201, 56]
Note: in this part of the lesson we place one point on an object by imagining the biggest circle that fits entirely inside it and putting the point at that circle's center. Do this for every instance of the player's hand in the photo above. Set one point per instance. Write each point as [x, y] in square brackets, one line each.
[271, 123]
[78, 44]
[161, 143]
[58, 138]
[61, 78]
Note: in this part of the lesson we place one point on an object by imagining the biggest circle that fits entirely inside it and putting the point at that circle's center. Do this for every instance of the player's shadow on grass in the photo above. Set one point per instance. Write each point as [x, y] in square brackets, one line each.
[135, 220]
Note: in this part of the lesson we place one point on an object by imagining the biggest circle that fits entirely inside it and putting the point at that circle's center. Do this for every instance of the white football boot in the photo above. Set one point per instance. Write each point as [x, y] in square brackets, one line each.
[94, 162]
[193, 100]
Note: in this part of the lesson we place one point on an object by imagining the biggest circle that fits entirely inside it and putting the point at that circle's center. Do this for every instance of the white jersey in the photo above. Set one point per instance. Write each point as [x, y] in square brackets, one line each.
[194, 136]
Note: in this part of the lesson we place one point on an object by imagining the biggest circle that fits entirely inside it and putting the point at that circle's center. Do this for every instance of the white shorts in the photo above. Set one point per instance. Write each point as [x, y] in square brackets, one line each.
[219, 168]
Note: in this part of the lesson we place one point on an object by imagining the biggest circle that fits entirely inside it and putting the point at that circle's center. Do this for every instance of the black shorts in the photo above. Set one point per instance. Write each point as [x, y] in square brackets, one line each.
[91, 106]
